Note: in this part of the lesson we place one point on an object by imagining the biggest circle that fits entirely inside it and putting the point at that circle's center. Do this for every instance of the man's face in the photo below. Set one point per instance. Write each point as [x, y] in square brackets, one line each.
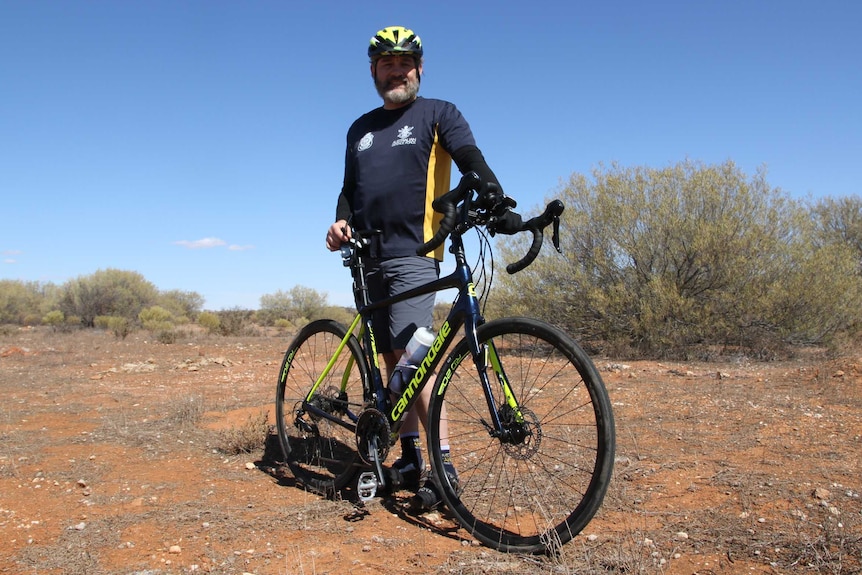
[396, 79]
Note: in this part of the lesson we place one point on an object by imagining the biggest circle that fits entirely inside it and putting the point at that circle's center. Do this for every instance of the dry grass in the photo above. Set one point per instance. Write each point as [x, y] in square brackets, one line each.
[249, 437]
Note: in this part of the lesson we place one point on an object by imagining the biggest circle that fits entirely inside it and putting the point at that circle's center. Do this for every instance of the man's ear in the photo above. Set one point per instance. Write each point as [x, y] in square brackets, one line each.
[372, 69]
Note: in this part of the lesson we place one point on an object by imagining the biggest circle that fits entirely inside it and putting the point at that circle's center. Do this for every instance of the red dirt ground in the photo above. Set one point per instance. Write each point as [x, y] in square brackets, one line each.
[112, 460]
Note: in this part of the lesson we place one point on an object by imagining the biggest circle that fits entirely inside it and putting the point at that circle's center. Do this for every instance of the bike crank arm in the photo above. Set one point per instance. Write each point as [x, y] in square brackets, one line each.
[370, 481]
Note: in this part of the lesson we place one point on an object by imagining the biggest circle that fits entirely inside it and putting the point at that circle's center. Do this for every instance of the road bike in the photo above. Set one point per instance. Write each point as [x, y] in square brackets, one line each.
[530, 425]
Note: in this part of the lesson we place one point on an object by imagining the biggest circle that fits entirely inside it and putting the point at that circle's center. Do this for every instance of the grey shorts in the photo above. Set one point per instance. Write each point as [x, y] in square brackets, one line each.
[394, 326]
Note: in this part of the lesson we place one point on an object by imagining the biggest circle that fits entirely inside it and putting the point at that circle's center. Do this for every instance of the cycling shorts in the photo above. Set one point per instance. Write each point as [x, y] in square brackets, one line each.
[394, 326]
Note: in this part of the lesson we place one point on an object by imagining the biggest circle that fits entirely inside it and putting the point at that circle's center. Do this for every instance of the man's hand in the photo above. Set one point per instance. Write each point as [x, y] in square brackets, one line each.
[338, 233]
[508, 223]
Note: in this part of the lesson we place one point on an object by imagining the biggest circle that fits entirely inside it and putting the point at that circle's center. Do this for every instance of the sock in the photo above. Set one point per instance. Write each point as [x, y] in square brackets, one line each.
[447, 461]
[411, 452]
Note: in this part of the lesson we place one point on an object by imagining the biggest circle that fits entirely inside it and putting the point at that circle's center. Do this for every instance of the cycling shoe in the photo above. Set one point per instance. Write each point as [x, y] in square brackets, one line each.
[428, 496]
[406, 476]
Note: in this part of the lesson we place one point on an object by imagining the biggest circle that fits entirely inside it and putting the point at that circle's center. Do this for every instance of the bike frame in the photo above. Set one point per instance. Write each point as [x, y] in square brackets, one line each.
[465, 313]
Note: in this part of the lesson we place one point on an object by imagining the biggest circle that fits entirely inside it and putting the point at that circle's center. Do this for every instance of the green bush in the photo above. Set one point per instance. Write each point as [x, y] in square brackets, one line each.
[183, 305]
[235, 321]
[55, 319]
[156, 318]
[167, 336]
[299, 306]
[669, 262]
[20, 302]
[108, 292]
[209, 321]
[120, 327]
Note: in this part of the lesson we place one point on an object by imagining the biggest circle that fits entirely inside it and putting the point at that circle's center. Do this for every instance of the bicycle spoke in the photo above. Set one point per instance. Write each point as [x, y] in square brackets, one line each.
[319, 444]
[541, 483]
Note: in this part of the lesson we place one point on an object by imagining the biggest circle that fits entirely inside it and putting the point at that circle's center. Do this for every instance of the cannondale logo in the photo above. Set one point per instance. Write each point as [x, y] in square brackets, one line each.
[366, 141]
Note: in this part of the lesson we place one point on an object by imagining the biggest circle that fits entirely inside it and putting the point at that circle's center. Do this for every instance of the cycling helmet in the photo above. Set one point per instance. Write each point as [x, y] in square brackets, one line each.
[395, 40]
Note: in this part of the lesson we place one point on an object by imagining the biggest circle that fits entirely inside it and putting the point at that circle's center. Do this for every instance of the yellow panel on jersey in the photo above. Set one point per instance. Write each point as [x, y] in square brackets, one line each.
[439, 173]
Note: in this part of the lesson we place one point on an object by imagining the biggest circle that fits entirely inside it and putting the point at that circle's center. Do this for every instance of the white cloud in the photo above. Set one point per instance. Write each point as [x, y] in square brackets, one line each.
[201, 244]
[236, 248]
[10, 253]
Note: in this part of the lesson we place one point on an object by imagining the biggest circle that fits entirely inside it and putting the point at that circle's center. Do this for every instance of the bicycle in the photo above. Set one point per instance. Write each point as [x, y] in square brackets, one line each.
[530, 425]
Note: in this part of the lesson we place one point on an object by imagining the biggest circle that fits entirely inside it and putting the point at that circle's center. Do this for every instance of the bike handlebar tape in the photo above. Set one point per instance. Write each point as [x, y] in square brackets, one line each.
[536, 226]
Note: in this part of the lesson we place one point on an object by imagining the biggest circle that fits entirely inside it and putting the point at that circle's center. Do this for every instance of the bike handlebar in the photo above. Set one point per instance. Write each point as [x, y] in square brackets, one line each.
[447, 204]
[537, 226]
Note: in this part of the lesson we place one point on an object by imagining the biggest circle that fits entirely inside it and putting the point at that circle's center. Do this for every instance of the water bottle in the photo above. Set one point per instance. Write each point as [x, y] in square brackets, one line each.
[417, 347]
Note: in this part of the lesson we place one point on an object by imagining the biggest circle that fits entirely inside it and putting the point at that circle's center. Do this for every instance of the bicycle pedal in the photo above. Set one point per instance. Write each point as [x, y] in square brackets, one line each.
[366, 486]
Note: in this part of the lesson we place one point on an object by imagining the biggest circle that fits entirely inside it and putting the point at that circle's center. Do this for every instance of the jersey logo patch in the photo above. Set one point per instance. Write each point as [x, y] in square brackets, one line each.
[405, 137]
[366, 141]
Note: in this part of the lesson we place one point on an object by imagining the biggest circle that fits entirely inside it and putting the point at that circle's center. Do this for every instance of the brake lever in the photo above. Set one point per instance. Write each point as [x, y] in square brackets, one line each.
[555, 237]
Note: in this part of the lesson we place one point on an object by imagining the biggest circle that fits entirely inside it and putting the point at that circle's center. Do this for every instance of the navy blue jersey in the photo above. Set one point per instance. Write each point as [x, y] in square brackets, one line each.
[397, 162]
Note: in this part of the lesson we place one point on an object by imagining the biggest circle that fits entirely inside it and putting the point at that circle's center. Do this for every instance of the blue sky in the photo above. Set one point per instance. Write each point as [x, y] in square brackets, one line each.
[201, 143]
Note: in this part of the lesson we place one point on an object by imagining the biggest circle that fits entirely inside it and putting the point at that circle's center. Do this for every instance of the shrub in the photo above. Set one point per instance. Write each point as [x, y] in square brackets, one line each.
[300, 304]
[209, 321]
[247, 438]
[235, 321]
[663, 261]
[167, 336]
[55, 319]
[20, 302]
[109, 292]
[119, 326]
[156, 318]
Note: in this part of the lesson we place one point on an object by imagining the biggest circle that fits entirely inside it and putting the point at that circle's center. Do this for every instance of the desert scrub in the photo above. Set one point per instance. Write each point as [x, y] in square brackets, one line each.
[248, 437]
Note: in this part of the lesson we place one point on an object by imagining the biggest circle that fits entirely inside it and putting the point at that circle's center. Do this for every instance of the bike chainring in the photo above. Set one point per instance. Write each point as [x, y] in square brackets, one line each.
[372, 433]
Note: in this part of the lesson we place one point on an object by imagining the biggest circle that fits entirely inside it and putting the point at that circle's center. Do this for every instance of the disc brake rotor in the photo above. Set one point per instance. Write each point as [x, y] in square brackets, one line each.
[529, 434]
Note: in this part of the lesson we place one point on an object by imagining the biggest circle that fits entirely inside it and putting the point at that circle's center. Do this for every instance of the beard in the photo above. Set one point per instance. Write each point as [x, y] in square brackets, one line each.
[397, 90]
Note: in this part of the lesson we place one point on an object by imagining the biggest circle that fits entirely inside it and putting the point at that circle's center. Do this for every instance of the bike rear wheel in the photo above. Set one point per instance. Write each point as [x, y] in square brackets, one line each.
[537, 488]
[320, 451]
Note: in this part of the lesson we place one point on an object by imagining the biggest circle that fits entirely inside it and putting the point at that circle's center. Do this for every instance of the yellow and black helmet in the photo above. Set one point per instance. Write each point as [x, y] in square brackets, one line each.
[393, 41]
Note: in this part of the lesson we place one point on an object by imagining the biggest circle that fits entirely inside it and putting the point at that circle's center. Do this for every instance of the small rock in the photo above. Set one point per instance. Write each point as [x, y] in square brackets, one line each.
[175, 549]
[822, 494]
[249, 465]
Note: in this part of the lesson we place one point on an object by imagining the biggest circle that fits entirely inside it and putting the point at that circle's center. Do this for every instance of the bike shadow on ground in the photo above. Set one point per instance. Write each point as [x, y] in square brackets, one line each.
[271, 462]
[438, 520]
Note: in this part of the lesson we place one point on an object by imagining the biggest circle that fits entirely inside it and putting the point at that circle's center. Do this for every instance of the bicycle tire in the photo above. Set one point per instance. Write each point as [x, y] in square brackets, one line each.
[536, 494]
[321, 454]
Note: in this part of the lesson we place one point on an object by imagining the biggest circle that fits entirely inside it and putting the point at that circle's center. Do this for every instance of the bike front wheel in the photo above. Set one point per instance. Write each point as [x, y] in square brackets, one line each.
[537, 483]
[317, 429]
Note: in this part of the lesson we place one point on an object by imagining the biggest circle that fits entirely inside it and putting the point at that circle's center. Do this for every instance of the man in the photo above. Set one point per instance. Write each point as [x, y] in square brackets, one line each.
[398, 159]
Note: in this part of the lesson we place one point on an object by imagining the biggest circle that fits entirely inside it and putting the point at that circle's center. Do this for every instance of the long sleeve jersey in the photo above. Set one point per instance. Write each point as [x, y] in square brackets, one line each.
[397, 162]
